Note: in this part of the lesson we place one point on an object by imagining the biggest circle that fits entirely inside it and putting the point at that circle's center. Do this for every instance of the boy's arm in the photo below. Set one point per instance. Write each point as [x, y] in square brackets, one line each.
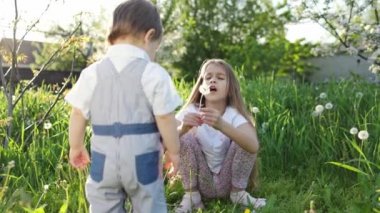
[181, 128]
[167, 125]
[77, 127]
[79, 157]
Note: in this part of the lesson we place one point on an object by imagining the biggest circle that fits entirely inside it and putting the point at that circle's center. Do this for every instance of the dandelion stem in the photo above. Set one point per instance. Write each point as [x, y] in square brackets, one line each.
[39, 200]
[200, 103]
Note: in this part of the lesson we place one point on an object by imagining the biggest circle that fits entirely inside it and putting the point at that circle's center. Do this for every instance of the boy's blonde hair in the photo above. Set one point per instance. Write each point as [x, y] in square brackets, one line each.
[135, 17]
[234, 99]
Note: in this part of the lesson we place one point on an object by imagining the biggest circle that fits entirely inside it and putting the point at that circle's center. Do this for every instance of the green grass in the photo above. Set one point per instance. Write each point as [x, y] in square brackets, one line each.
[295, 150]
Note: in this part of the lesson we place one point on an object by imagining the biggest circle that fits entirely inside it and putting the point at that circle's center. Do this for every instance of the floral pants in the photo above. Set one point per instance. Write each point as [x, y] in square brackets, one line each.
[196, 175]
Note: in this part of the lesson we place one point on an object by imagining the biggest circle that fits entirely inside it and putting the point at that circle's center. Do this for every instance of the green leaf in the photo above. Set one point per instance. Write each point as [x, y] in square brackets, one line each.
[63, 208]
[358, 149]
[39, 210]
[348, 167]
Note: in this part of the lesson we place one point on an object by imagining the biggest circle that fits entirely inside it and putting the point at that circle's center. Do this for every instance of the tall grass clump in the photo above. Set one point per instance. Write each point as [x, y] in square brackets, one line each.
[306, 132]
[40, 177]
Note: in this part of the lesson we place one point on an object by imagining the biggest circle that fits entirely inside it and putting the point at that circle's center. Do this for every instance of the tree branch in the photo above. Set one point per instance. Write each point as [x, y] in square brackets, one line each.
[349, 20]
[50, 59]
[330, 28]
[30, 27]
[3, 81]
[11, 89]
[376, 12]
[60, 92]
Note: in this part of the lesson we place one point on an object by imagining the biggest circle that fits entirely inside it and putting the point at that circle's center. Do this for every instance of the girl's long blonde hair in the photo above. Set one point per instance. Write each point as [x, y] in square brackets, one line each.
[234, 99]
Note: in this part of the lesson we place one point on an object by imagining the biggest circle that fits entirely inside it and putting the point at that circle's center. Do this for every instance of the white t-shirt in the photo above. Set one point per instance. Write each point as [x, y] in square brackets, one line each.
[156, 82]
[214, 143]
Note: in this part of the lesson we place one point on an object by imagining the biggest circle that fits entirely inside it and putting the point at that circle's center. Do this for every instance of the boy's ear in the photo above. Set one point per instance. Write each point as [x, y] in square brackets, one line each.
[149, 35]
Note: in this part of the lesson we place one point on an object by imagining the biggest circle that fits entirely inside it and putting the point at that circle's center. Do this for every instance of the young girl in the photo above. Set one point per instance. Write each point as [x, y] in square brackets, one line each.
[218, 140]
[130, 101]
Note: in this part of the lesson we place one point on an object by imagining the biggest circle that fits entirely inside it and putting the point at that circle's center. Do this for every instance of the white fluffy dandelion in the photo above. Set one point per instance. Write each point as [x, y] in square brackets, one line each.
[319, 108]
[359, 95]
[323, 95]
[11, 164]
[354, 131]
[47, 125]
[329, 105]
[46, 188]
[255, 110]
[204, 89]
[363, 135]
[315, 114]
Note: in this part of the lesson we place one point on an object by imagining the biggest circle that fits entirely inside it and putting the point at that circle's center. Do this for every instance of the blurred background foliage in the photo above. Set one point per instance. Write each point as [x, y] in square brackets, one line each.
[249, 34]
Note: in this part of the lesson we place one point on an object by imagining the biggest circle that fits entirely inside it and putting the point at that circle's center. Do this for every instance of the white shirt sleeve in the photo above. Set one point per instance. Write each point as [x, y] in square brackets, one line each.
[81, 93]
[238, 119]
[160, 90]
[181, 114]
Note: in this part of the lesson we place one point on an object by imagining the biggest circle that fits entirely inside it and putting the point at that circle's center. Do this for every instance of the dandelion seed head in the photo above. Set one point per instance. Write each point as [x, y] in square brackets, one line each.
[204, 89]
[264, 125]
[359, 95]
[47, 125]
[363, 135]
[329, 105]
[319, 108]
[315, 114]
[46, 187]
[354, 131]
[323, 95]
[11, 164]
[255, 110]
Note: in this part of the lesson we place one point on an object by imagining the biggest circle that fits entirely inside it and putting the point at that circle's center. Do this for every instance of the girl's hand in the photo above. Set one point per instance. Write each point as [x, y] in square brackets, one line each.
[79, 157]
[212, 117]
[190, 120]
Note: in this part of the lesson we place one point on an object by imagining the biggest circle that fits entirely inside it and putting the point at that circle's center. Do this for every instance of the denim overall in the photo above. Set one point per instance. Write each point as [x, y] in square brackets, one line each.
[125, 146]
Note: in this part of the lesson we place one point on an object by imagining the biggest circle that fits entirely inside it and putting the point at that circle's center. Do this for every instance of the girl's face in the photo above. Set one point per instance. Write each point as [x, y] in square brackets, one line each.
[215, 78]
